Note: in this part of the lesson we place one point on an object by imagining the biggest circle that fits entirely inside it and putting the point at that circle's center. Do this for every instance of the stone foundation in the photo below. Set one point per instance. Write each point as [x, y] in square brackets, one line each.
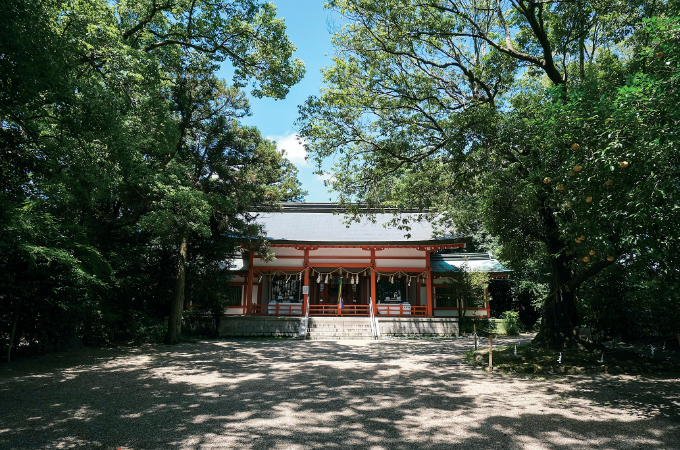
[259, 326]
[418, 326]
[243, 326]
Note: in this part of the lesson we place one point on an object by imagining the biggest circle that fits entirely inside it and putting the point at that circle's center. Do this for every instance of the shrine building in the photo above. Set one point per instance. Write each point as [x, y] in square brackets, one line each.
[323, 267]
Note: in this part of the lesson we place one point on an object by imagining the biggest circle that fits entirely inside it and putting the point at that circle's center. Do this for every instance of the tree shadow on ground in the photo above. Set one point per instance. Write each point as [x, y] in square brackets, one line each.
[328, 394]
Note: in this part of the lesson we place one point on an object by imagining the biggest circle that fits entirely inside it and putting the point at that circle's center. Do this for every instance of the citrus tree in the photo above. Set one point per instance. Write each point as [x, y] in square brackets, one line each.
[557, 116]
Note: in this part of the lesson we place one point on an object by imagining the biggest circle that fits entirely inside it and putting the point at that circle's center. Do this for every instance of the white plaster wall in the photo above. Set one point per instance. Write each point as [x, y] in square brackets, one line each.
[399, 252]
[339, 252]
[339, 262]
[288, 251]
[416, 263]
[287, 262]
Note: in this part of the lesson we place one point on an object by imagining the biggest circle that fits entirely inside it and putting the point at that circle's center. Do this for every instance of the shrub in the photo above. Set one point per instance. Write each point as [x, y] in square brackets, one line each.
[511, 323]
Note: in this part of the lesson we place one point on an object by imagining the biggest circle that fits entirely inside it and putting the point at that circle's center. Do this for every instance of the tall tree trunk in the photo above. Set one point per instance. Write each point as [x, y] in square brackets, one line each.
[560, 317]
[14, 328]
[177, 302]
[581, 43]
[218, 318]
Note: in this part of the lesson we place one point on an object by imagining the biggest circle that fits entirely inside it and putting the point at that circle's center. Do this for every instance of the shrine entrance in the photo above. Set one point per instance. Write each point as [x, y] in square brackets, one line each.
[326, 289]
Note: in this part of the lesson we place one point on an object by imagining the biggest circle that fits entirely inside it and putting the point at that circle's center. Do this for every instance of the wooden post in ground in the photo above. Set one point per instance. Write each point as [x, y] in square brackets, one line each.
[490, 352]
[474, 325]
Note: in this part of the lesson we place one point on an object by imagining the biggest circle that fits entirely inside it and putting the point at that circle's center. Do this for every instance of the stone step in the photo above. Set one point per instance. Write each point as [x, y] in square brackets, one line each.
[339, 328]
[331, 338]
[339, 335]
[340, 322]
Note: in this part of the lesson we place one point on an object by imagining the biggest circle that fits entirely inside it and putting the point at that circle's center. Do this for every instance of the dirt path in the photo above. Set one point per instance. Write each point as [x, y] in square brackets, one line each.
[280, 394]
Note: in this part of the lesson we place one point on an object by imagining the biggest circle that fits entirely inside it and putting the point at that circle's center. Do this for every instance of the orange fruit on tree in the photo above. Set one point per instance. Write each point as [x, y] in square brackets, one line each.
[575, 146]
[609, 182]
[583, 238]
[589, 199]
[560, 187]
[577, 240]
[586, 259]
[623, 164]
[546, 180]
[577, 168]
[659, 55]
[610, 258]
[592, 252]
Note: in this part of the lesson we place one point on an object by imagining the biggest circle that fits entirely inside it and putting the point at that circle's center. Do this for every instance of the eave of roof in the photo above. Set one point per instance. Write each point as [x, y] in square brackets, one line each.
[454, 262]
[442, 243]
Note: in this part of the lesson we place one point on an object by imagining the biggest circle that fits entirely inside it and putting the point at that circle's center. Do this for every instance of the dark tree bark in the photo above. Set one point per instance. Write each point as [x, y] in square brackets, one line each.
[177, 301]
[14, 328]
[560, 320]
[560, 317]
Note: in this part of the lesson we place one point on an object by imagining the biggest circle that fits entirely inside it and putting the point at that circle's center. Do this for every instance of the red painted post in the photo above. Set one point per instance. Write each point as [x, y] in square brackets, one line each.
[373, 292]
[430, 301]
[249, 292]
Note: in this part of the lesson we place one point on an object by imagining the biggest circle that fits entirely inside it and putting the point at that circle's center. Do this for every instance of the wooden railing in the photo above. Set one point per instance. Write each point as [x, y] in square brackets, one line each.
[400, 310]
[229, 311]
[335, 310]
[278, 310]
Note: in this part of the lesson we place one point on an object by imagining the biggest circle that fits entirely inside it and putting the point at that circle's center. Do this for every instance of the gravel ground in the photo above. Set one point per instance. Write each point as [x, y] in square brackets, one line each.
[282, 394]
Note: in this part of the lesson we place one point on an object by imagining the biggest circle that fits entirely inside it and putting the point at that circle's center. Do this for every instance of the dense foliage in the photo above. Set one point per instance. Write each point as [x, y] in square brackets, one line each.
[555, 122]
[122, 160]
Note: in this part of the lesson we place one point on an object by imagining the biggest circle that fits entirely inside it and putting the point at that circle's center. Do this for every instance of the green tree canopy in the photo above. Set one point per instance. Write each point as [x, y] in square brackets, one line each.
[119, 148]
[556, 116]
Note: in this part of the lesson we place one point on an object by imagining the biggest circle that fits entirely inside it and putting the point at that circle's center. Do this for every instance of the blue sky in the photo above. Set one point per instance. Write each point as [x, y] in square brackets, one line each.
[309, 27]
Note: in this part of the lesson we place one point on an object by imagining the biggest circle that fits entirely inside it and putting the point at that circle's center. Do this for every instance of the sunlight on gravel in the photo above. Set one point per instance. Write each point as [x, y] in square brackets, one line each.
[281, 394]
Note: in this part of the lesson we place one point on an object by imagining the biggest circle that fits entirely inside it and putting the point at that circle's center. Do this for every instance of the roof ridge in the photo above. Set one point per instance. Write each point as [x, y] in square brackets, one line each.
[293, 207]
[470, 256]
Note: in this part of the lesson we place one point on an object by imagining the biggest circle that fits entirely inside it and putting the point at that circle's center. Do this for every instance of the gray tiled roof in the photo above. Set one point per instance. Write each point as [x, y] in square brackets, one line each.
[316, 223]
[453, 262]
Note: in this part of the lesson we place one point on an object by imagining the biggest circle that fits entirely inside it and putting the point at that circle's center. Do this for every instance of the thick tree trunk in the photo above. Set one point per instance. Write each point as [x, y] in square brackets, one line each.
[177, 302]
[217, 317]
[14, 328]
[560, 316]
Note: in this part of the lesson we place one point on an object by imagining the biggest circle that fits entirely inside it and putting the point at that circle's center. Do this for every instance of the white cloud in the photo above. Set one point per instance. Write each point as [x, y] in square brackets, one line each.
[295, 150]
[326, 176]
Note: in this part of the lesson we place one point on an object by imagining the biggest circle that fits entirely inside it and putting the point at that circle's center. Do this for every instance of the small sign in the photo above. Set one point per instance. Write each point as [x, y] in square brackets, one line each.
[305, 290]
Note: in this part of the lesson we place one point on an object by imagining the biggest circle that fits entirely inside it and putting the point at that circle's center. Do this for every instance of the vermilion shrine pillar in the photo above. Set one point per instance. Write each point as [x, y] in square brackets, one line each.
[249, 291]
[373, 293]
[428, 284]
